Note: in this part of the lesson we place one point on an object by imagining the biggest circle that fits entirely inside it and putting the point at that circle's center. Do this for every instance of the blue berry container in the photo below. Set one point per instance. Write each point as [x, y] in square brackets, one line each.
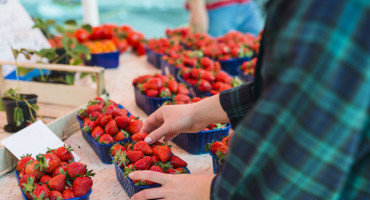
[194, 92]
[168, 69]
[129, 186]
[148, 104]
[231, 66]
[107, 60]
[244, 77]
[101, 150]
[84, 197]
[194, 143]
[217, 167]
[153, 58]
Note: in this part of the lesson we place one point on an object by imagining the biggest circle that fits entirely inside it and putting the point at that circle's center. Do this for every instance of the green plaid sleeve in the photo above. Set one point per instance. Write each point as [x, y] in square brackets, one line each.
[308, 134]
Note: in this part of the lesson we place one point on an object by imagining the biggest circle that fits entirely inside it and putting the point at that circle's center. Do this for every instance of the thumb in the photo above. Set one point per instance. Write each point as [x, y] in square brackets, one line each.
[157, 134]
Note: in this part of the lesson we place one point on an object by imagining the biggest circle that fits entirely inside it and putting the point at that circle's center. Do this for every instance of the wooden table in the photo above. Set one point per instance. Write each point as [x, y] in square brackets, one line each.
[106, 185]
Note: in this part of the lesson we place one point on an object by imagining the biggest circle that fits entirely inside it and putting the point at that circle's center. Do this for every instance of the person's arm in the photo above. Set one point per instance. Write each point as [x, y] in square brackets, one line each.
[301, 138]
[199, 21]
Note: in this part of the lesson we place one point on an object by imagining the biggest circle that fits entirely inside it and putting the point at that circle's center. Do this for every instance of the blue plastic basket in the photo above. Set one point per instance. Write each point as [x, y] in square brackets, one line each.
[101, 150]
[194, 142]
[168, 69]
[194, 92]
[244, 77]
[106, 60]
[231, 66]
[84, 197]
[217, 168]
[153, 58]
[129, 186]
[148, 104]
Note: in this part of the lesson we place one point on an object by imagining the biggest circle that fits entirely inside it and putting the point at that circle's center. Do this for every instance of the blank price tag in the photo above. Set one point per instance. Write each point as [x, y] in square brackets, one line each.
[34, 139]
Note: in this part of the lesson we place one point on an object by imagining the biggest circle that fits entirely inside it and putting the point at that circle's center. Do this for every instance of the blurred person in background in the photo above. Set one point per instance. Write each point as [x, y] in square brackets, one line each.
[218, 17]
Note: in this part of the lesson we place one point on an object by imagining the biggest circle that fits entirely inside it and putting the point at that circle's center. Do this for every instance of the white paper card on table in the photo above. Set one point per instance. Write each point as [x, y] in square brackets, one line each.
[34, 139]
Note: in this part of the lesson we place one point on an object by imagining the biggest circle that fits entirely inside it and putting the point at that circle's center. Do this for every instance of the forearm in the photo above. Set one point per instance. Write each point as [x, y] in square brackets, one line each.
[209, 111]
[198, 16]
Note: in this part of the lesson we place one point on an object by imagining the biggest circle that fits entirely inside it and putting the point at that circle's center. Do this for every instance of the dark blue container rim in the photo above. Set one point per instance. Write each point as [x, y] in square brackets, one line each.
[97, 143]
[170, 65]
[206, 94]
[107, 53]
[153, 98]
[25, 198]
[214, 130]
[148, 49]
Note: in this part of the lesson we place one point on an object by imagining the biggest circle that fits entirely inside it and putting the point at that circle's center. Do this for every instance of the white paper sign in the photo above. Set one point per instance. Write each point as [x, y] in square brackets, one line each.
[34, 139]
[16, 31]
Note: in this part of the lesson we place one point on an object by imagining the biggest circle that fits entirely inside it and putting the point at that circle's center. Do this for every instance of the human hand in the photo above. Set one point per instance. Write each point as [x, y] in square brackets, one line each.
[179, 186]
[198, 20]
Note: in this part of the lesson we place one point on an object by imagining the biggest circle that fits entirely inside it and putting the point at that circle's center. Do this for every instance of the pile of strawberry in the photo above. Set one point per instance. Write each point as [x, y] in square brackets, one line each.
[138, 155]
[54, 175]
[107, 123]
[206, 81]
[160, 86]
[178, 33]
[164, 46]
[198, 40]
[248, 67]
[220, 148]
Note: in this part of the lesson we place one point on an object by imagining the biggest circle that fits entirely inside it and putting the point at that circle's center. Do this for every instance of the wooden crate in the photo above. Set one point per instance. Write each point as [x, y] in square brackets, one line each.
[53, 96]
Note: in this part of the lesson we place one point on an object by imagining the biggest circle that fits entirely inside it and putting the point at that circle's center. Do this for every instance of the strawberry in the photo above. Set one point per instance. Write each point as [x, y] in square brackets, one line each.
[225, 87]
[121, 135]
[144, 163]
[76, 169]
[156, 169]
[152, 93]
[48, 162]
[195, 73]
[122, 121]
[106, 139]
[113, 103]
[82, 114]
[170, 171]
[97, 132]
[207, 63]
[120, 158]
[182, 89]
[26, 159]
[45, 178]
[223, 77]
[133, 117]
[64, 153]
[139, 136]
[144, 147]
[177, 162]
[154, 83]
[55, 195]
[155, 159]
[59, 170]
[68, 194]
[88, 126]
[28, 185]
[172, 85]
[99, 101]
[95, 115]
[134, 126]
[116, 148]
[41, 192]
[225, 140]
[182, 97]
[105, 119]
[82, 185]
[124, 112]
[215, 146]
[33, 168]
[134, 156]
[206, 75]
[111, 128]
[113, 110]
[93, 108]
[57, 182]
[204, 86]
[24, 180]
[217, 85]
[164, 153]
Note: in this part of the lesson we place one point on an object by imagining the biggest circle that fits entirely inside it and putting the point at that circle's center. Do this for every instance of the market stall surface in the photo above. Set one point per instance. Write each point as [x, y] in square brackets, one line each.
[106, 186]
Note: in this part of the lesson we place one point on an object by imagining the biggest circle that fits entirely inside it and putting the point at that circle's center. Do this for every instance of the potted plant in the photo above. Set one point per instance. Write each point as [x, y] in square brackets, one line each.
[21, 109]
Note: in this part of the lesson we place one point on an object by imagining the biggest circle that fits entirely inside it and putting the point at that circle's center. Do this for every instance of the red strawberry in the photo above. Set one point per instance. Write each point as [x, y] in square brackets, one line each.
[82, 185]
[105, 119]
[34, 169]
[195, 72]
[133, 117]
[223, 77]
[100, 101]
[24, 161]
[217, 85]
[207, 63]
[88, 126]
[48, 162]
[97, 132]
[204, 86]
[170, 171]
[68, 194]
[28, 185]
[154, 83]
[225, 87]
[152, 93]
[155, 159]
[93, 108]
[45, 178]
[111, 128]
[64, 153]
[172, 85]
[24, 180]
[55, 195]
[76, 169]
[117, 148]
[122, 121]
[164, 153]
[139, 136]
[57, 182]
[124, 112]
[144, 147]
[164, 92]
[113, 103]
[144, 163]
[95, 115]
[195, 99]
[134, 126]
[182, 97]
[177, 162]
[106, 139]
[215, 146]
[206, 75]
[113, 110]
[59, 170]
[121, 135]
[134, 156]
[41, 192]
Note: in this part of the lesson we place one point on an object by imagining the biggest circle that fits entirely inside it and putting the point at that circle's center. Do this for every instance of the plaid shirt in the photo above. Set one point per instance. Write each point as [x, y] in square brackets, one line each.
[308, 134]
